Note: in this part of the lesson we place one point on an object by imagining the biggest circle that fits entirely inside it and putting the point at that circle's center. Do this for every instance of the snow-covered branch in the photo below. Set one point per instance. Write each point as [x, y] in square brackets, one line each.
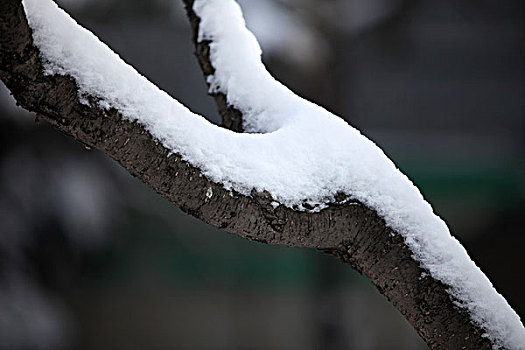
[301, 177]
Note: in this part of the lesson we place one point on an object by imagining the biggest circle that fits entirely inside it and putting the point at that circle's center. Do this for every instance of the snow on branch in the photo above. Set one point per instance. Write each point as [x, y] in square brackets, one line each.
[357, 167]
[299, 153]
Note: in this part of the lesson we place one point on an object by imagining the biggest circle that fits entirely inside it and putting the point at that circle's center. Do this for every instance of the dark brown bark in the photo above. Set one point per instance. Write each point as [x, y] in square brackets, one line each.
[350, 231]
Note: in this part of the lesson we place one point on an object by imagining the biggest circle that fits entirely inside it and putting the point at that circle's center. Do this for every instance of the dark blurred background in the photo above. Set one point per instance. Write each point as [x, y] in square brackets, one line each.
[90, 258]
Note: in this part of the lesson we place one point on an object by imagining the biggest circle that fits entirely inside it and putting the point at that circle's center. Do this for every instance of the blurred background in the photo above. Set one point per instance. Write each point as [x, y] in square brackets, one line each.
[90, 258]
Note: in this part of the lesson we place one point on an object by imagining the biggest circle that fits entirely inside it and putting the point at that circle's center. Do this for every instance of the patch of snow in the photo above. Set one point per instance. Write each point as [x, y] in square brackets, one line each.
[298, 151]
[209, 192]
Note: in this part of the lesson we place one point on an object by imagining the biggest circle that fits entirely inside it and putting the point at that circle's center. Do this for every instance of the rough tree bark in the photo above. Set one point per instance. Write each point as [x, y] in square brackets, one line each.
[350, 231]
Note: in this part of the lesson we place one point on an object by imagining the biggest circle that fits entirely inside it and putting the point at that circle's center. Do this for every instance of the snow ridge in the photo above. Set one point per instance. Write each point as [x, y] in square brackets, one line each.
[297, 150]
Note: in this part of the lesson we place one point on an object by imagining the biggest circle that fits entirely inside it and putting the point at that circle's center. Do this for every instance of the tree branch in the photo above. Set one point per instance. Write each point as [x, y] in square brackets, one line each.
[349, 230]
[231, 116]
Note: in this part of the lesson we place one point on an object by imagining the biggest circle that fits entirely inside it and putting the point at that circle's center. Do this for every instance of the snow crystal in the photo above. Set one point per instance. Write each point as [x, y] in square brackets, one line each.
[297, 151]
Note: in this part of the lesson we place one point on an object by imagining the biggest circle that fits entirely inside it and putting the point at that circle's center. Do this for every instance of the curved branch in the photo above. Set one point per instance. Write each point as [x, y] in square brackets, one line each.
[231, 116]
[353, 232]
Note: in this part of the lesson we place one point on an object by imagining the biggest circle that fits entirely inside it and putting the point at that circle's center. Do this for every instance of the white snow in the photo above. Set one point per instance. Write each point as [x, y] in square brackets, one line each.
[209, 193]
[301, 152]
